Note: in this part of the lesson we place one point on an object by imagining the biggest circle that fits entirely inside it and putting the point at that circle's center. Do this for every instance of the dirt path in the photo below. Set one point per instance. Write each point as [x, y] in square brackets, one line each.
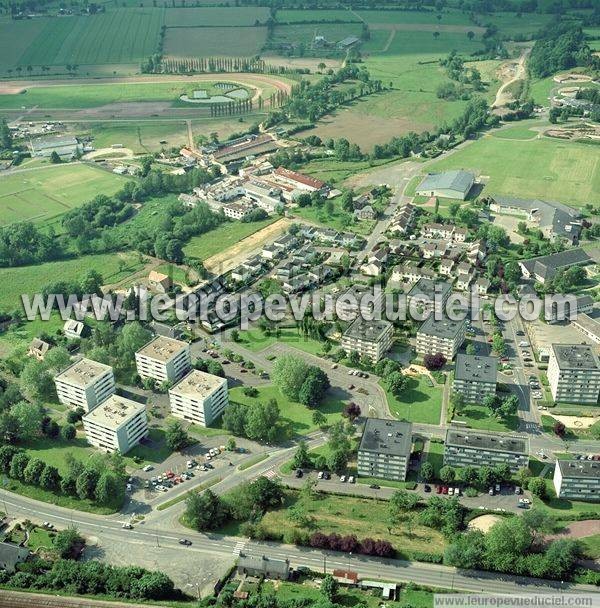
[502, 96]
[578, 529]
[389, 41]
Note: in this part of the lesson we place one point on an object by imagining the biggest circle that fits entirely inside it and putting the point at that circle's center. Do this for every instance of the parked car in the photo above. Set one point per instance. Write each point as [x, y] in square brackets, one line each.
[444, 489]
[351, 479]
[427, 488]
[456, 491]
[497, 487]
[299, 473]
[127, 526]
[374, 486]
[518, 490]
[184, 541]
[343, 478]
[438, 489]
[450, 491]
[320, 475]
[147, 468]
[491, 491]
[326, 475]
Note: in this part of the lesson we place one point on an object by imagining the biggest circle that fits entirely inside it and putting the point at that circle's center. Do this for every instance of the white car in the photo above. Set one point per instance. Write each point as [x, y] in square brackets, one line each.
[320, 475]
[450, 491]
[147, 468]
[343, 478]
[456, 491]
[351, 479]
[127, 526]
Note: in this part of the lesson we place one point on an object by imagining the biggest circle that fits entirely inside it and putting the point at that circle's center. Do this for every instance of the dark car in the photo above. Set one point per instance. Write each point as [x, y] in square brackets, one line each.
[299, 473]
[427, 488]
[374, 486]
[326, 475]
[185, 541]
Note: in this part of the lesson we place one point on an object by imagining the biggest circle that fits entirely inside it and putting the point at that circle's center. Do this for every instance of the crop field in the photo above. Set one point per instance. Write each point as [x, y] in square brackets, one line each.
[568, 172]
[449, 17]
[214, 41]
[119, 36]
[299, 15]
[212, 16]
[511, 25]
[51, 191]
[15, 38]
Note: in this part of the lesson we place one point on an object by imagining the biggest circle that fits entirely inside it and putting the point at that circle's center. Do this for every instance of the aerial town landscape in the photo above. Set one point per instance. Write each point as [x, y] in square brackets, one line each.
[299, 302]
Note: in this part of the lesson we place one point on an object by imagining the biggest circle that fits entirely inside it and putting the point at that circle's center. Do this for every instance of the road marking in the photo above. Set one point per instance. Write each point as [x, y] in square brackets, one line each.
[270, 474]
[239, 546]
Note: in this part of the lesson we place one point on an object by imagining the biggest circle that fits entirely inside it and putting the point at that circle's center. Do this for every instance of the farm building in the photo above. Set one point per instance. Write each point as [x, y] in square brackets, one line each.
[63, 146]
[449, 184]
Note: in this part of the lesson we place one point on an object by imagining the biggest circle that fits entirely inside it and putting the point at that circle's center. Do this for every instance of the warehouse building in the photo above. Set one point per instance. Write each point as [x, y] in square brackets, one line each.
[64, 146]
[85, 384]
[164, 359]
[468, 447]
[116, 424]
[449, 184]
[475, 377]
[577, 479]
[385, 449]
[574, 373]
[200, 398]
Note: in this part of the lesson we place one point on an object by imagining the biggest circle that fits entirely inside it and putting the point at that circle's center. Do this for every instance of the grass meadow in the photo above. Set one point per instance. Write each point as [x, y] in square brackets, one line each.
[214, 41]
[48, 192]
[544, 168]
[419, 402]
[215, 16]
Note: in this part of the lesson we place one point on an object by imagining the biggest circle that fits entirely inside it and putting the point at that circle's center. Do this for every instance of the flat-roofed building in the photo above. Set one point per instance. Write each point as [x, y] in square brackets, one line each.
[85, 384]
[475, 377]
[199, 398]
[360, 300]
[429, 294]
[574, 373]
[164, 359]
[577, 479]
[588, 326]
[116, 424]
[440, 336]
[385, 449]
[368, 338]
[448, 184]
[468, 447]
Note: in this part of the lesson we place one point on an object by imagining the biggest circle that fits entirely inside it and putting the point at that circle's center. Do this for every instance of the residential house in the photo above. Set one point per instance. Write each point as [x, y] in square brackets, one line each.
[159, 282]
[38, 349]
[544, 268]
[73, 329]
[12, 555]
[366, 213]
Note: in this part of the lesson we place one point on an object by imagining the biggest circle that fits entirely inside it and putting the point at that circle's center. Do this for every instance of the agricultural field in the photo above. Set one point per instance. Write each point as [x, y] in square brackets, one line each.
[214, 16]
[304, 33]
[399, 17]
[15, 38]
[324, 15]
[214, 41]
[545, 168]
[118, 36]
[51, 191]
[511, 24]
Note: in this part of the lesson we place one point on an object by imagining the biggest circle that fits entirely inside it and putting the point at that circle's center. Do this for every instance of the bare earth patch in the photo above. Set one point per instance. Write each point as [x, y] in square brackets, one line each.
[483, 522]
[578, 529]
[235, 255]
[577, 422]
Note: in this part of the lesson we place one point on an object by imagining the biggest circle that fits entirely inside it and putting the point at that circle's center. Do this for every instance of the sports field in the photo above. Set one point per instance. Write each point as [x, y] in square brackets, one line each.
[545, 168]
[51, 191]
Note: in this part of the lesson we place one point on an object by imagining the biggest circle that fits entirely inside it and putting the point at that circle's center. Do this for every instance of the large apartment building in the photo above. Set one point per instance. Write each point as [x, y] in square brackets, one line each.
[368, 338]
[444, 336]
[429, 294]
[384, 449]
[164, 359]
[574, 373]
[199, 398]
[359, 300]
[475, 377]
[577, 479]
[85, 384]
[469, 447]
[116, 424]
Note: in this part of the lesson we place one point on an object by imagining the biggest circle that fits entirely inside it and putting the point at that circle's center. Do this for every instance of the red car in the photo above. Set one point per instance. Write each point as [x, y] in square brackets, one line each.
[445, 490]
[438, 489]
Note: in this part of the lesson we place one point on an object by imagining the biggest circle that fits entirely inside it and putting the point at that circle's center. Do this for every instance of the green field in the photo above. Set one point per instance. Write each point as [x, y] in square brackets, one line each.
[297, 417]
[304, 33]
[31, 279]
[478, 417]
[324, 15]
[255, 340]
[511, 24]
[222, 237]
[549, 169]
[419, 402]
[210, 16]
[448, 17]
[521, 131]
[214, 41]
[118, 36]
[48, 192]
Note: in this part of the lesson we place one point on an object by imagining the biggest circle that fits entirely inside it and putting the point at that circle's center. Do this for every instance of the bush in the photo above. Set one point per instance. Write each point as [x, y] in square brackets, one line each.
[423, 556]
[411, 485]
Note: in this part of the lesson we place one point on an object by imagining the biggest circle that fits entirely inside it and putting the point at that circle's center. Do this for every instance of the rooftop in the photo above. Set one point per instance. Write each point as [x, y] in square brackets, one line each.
[83, 372]
[198, 384]
[114, 412]
[428, 288]
[443, 328]
[387, 437]
[575, 356]
[43, 143]
[448, 180]
[372, 331]
[586, 469]
[263, 563]
[162, 348]
[300, 178]
[469, 438]
[475, 368]
[547, 265]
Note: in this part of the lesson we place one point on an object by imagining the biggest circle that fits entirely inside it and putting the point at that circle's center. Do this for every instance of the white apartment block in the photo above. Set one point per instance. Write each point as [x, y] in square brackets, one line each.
[199, 398]
[577, 479]
[469, 447]
[574, 373]
[444, 336]
[475, 377]
[368, 338]
[85, 384]
[164, 359]
[116, 424]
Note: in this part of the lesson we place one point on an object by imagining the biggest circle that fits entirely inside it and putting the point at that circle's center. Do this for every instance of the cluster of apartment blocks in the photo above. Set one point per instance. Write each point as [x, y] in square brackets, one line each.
[112, 422]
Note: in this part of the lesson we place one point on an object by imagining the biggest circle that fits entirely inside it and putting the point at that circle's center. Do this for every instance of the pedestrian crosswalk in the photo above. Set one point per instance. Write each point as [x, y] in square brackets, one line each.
[239, 546]
[270, 474]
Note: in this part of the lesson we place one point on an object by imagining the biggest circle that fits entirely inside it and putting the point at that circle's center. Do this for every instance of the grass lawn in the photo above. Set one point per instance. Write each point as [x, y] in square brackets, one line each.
[435, 455]
[222, 237]
[419, 402]
[54, 451]
[32, 279]
[400, 485]
[562, 507]
[17, 338]
[41, 195]
[364, 517]
[591, 546]
[255, 340]
[38, 538]
[478, 417]
[522, 131]
[295, 416]
[151, 454]
[250, 463]
[544, 168]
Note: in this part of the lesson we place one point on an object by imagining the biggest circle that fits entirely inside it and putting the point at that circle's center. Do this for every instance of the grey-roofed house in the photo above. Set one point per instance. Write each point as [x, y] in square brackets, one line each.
[443, 336]
[370, 339]
[470, 447]
[577, 479]
[384, 449]
[449, 184]
[475, 377]
[263, 566]
[11, 555]
[429, 293]
[544, 268]
[574, 373]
